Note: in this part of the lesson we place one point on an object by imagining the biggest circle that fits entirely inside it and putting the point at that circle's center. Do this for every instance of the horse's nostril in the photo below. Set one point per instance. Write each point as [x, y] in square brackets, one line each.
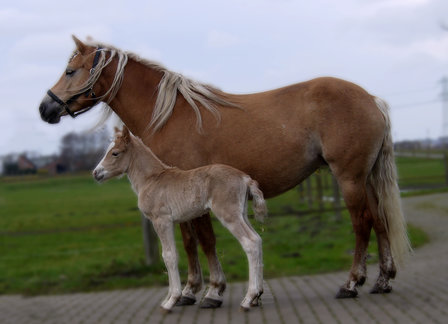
[42, 108]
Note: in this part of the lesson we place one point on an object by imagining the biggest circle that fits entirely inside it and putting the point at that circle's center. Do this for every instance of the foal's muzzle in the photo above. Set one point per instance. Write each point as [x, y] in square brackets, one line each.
[98, 174]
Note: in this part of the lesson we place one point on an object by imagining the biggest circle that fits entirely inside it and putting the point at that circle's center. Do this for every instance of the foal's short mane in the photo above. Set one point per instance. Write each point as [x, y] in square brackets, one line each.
[168, 88]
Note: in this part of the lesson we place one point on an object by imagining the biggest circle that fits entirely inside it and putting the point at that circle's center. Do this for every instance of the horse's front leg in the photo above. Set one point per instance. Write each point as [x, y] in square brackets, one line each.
[207, 239]
[165, 231]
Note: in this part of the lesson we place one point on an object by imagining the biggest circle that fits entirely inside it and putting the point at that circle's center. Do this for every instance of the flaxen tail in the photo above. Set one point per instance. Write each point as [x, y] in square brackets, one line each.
[258, 202]
[384, 181]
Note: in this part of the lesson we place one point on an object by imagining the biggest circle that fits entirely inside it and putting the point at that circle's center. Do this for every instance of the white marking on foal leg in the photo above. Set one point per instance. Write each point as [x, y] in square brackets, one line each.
[165, 231]
[251, 243]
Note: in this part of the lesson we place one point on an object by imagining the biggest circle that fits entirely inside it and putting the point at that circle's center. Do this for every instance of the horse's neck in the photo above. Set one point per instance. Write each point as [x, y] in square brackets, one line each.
[144, 165]
[136, 97]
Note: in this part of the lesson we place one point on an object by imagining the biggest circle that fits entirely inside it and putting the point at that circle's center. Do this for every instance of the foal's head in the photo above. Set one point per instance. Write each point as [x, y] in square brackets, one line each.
[117, 158]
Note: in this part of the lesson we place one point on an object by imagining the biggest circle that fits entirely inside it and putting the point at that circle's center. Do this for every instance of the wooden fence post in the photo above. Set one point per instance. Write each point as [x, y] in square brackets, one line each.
[150, 242]
[320, 193]
[445, 163]
[336, 199]
[309, 190]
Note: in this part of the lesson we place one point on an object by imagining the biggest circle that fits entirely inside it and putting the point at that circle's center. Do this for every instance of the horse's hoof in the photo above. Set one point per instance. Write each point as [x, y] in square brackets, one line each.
[255, 303]
[164, 310]
[346, 293]
[211, 303]
[185, 301]
[377, 289]
[257, 300]
[244, 309]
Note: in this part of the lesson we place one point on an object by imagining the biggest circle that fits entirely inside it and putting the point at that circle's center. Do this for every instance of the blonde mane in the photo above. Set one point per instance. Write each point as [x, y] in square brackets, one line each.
[170, 85]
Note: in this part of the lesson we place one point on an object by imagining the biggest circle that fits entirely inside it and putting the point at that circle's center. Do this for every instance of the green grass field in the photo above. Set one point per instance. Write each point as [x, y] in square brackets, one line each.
[67, 234]
[417, 172]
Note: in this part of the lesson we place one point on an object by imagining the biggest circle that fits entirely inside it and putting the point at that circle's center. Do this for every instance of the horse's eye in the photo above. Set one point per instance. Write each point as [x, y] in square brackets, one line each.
[115, 153]
[69, 72]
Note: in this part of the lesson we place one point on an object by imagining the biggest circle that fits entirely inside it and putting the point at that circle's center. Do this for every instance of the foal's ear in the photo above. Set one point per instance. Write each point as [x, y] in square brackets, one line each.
[126, 135]
[79, 45]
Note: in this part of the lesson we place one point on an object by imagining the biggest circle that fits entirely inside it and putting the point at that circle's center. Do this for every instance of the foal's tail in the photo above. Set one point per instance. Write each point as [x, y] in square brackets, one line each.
[383, 178]
[258, 202]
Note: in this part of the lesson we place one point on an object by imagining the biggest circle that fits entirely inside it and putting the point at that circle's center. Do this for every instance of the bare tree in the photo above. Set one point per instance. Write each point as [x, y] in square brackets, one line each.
[82, 151]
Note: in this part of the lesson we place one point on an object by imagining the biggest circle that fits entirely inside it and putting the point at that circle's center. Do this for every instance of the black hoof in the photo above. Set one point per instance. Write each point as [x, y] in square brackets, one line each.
[377, 289]
[185, 301]
[346, 293]
[257, 300]
[211, 303]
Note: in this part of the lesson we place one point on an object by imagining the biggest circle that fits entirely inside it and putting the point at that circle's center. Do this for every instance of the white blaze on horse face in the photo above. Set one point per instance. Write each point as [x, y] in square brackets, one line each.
[100, 172]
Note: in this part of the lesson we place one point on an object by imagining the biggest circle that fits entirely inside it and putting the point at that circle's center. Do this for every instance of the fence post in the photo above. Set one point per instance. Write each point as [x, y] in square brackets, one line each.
[336, 199]
[309, 192]
[150, 242]
[320, 193]
[445, 163]
[301, 192]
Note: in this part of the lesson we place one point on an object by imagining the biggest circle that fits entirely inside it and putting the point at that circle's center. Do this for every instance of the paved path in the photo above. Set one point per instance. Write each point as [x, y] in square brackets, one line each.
[420, 293]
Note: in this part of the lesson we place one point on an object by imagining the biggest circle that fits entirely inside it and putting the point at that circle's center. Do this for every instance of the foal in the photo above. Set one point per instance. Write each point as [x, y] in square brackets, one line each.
[168, 195]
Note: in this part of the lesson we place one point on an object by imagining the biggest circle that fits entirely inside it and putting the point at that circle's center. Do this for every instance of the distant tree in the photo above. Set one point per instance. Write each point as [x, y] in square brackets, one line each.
[82, 151]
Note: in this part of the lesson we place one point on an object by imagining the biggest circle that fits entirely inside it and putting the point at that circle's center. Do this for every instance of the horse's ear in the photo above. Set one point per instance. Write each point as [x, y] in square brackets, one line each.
[126, 135]
[79, 45]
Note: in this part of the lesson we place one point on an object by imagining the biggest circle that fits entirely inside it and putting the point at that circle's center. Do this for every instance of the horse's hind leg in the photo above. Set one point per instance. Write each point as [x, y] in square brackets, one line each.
[207, 239]
[355, 197]
[387, 266]
[251, 243]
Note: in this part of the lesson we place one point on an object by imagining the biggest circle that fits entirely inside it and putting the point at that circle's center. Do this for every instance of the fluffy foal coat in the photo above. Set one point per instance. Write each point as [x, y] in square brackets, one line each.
[168, 195]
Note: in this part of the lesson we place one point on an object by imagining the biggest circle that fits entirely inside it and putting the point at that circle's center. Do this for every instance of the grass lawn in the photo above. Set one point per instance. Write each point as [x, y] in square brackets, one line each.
[415, 172]
[67, 234]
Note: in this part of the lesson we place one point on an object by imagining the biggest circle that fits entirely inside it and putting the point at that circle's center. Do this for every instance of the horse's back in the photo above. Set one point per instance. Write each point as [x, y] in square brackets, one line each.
[281, 136]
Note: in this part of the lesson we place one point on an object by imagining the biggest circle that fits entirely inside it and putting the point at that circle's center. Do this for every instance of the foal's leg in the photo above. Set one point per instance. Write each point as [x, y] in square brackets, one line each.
[194, 283]
[165, 231]
[355, 197]
[387, 266]
[207, 239]
[252, 245]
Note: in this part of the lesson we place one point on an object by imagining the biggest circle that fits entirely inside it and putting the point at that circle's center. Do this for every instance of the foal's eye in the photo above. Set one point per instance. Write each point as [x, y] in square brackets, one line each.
[69, 72]
[115, 153]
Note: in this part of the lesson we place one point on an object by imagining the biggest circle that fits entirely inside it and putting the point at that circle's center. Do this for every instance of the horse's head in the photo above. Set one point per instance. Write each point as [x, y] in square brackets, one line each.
[77, 89]
[116, 160]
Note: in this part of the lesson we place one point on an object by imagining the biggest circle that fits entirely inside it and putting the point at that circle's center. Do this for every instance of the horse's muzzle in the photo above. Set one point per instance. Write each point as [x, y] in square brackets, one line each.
[50, 111]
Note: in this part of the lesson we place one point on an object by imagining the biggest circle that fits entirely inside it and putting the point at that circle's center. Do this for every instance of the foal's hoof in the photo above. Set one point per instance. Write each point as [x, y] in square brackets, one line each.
[346, 293]
[185, 301]
[255, 303]
[244, 309]
[257, 300]
[211, 303]
[377, 289]
[164, 310]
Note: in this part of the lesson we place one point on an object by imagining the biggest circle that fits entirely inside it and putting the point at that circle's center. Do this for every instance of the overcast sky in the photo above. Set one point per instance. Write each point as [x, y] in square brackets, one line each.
[395, 49]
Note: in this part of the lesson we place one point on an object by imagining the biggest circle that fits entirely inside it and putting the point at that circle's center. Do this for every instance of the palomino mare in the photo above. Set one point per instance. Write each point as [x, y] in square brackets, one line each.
[168, 195]
[278, 137]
